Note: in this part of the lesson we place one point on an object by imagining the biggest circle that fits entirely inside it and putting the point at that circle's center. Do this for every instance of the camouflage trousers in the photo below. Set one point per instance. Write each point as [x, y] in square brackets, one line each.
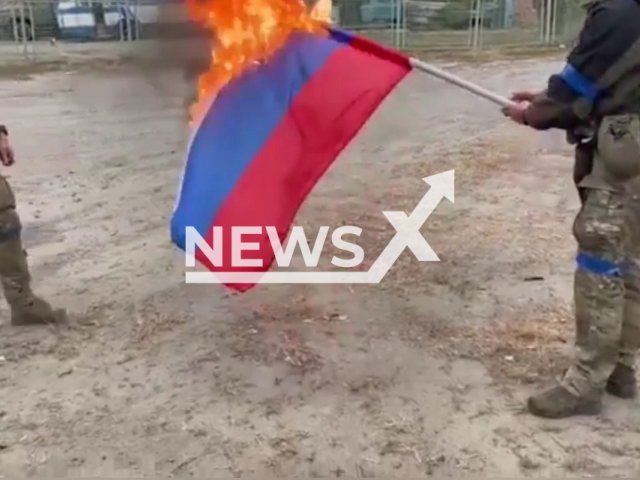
[606, 289]
[26, 307]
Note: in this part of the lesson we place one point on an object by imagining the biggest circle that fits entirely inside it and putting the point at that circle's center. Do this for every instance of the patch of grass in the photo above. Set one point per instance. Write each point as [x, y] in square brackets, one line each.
[523, 346]
[150, 324]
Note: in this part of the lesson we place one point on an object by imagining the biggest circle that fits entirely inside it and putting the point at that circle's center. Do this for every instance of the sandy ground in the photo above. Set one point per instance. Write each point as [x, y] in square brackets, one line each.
[423, 375]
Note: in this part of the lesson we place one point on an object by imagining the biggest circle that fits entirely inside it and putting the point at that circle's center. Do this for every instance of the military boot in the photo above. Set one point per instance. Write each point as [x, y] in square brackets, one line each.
[560, 403]
[622, 382]
[37, 312]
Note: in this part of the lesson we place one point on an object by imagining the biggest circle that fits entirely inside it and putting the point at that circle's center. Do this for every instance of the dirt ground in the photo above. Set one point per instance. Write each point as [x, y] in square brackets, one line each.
[423, 375]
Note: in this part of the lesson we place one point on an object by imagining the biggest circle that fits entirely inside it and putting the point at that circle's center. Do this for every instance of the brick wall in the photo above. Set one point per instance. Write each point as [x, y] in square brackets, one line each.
[525, 12]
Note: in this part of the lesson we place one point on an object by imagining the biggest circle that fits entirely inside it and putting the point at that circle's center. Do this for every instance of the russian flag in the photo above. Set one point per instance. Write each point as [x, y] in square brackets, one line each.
[270, 135]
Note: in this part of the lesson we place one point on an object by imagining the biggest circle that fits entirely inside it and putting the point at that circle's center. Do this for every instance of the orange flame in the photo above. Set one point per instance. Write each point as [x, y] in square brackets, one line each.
[245, 32]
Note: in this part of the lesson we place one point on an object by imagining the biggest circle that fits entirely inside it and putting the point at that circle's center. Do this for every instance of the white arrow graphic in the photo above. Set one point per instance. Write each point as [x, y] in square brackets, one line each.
[408, 235]
[408, 228]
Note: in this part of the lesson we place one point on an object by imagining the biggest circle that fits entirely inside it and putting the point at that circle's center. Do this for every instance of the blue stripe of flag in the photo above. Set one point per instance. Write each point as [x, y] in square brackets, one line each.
[237, 126]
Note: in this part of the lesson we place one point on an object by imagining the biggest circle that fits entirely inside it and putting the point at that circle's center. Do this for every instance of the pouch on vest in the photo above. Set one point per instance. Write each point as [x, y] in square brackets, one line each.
[619, 146]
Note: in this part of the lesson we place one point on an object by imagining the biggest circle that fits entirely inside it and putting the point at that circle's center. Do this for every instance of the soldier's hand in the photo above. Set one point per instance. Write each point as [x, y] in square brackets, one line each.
[516, 112]
[6, 152]
[523, 96]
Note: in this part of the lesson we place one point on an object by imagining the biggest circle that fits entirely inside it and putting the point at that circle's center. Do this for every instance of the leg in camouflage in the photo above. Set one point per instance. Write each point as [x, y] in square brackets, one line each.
[622, 382]
[26, 307]
[630, 341]
[603, 231]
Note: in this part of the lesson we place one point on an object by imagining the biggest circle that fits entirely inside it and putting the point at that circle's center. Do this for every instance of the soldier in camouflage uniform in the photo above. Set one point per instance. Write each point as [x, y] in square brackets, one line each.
[26, 307]
[596, 99]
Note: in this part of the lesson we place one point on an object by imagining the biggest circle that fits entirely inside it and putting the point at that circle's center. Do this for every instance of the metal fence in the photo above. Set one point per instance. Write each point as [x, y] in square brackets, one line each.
[89, 20]
[462, 24]
[31, 27]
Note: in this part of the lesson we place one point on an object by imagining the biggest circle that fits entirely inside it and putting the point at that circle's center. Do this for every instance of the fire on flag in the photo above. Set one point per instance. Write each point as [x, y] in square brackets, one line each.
[246, 32]
[284, 95]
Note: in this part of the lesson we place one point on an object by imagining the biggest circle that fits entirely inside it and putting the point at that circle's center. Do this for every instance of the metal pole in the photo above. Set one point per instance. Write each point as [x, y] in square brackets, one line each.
[14, 22]
[127, 16]
[399, 22]
[541, 16]
[32, 26]
[470, 28]
[455, 80]
[137, 20]
[476, 30]
[549, 11]
[122, 20]
[33, 23]
[395, 23]
[404, 23]
[554, 28]
[481, 27]
[23, 28]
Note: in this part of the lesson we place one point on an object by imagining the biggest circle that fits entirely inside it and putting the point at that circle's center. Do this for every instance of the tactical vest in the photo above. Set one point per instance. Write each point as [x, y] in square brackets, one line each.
[610, 111]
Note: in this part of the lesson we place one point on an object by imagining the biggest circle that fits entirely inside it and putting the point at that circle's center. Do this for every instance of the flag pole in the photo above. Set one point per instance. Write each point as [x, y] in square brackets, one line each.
[449, 77]
[471, 87]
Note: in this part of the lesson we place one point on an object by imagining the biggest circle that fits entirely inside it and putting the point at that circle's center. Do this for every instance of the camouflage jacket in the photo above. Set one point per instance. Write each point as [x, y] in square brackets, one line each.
[601, 80]
[602, 73]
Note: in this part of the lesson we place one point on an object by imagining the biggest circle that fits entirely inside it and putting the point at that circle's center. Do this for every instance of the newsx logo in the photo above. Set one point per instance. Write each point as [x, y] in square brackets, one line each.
[407, 235]
[283, 257]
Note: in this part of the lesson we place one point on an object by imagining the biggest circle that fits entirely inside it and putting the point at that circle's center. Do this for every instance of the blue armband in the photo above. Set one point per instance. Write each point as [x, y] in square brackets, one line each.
[579, 83]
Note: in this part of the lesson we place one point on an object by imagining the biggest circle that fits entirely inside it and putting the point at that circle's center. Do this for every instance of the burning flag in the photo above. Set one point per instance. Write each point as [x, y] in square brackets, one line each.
[284, 96]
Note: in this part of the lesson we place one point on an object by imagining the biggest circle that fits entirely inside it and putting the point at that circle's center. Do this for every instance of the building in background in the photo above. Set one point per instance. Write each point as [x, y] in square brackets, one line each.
[107, 19]
[526, 12]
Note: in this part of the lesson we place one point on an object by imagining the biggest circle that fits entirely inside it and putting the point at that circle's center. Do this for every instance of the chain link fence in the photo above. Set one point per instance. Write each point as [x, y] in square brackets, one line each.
[51, 29]
[37, 27]
[90, 20]
[462, 24]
